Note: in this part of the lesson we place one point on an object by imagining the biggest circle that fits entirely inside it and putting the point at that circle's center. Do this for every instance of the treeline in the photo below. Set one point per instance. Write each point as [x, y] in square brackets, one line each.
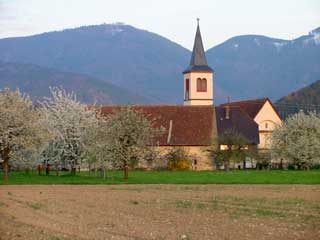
[66, 134]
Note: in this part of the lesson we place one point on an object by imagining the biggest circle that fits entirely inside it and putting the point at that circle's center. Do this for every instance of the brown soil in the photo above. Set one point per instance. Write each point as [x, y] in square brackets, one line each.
[160, 212]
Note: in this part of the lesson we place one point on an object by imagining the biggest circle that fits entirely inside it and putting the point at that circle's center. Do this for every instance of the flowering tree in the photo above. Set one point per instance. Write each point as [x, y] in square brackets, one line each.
[19, 127]
[51, 154]
[130, 138]
[298, 140]
[235, 149]
[97, 152]
[68, 122]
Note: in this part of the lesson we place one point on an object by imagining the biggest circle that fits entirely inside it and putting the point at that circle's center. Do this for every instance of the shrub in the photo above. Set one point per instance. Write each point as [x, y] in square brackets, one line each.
[291, 167]
[178, 159]
[181, 164]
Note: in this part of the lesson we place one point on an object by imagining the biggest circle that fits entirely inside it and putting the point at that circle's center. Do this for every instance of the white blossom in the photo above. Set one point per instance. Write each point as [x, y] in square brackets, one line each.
[20, 133]
[68, 122]
[129, 139]
[298, 140]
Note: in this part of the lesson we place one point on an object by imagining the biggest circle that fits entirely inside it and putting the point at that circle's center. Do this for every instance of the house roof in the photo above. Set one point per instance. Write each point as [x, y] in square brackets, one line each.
[251, 107]
[191, 125]
[198, 60]
[238, 121]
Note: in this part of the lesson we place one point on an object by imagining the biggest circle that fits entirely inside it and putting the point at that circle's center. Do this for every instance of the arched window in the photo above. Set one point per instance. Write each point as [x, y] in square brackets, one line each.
[187, 89]
[201, 85]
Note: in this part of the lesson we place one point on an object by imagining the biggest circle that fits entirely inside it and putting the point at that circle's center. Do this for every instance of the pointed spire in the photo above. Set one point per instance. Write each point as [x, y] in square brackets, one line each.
[198, 59]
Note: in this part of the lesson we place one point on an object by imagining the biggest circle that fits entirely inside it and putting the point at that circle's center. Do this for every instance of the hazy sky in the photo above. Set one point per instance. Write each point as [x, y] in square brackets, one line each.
[174, 19]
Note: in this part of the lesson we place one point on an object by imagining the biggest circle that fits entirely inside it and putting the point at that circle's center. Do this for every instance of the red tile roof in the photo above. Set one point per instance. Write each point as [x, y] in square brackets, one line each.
[251, 107]
[191, 125]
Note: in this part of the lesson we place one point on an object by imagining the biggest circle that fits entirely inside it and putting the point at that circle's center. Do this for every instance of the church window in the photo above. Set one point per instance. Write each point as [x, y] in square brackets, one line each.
[266, 125]
[187, 89]
[201, 85]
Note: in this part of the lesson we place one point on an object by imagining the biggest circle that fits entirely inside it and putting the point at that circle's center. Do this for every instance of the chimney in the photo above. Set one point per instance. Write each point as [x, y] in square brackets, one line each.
[169, 132]
[228, 109]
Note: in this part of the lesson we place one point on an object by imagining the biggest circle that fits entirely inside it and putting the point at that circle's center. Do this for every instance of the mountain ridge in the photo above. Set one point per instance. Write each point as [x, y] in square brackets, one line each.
[147, 64]
[29, 78]
[305, 99]
[259, 63]
[114, 52]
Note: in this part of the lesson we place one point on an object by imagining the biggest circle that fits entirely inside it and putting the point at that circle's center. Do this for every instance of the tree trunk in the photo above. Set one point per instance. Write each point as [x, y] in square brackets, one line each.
[5, 156]
[56, 168]
[39, 169]
[104, 173]
[251, 162]
[226, 165]
[281, 164]
[6, 170]
[244, 164]
[126, 168]
[47, 170]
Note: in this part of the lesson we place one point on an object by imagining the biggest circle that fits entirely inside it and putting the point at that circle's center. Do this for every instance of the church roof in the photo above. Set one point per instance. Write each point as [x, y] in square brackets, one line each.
[198, 60]
[190, 125]
[194, 125]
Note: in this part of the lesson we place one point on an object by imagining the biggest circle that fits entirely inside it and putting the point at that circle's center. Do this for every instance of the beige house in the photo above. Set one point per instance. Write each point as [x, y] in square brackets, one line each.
[263, 112]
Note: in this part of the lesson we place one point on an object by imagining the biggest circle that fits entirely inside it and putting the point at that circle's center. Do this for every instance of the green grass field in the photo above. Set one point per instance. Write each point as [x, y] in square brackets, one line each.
[168, 177]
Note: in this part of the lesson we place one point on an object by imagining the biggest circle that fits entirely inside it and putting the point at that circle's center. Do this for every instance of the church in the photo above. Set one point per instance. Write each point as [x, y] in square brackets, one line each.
[198, 121]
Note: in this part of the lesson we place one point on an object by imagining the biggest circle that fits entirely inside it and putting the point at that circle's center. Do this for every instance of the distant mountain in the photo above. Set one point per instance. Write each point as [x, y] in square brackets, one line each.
[309, 95]
[306, 99]
[149, 65]
[35, 81]
[142, 62]
[253, 66]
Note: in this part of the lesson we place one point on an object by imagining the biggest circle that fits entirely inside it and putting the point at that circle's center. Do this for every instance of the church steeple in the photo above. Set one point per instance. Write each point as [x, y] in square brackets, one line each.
[198, 77]
[198, 60]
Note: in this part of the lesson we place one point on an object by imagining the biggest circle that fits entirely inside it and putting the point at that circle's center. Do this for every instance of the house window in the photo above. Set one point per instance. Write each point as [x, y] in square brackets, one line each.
[201, 85]
[187, 89]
